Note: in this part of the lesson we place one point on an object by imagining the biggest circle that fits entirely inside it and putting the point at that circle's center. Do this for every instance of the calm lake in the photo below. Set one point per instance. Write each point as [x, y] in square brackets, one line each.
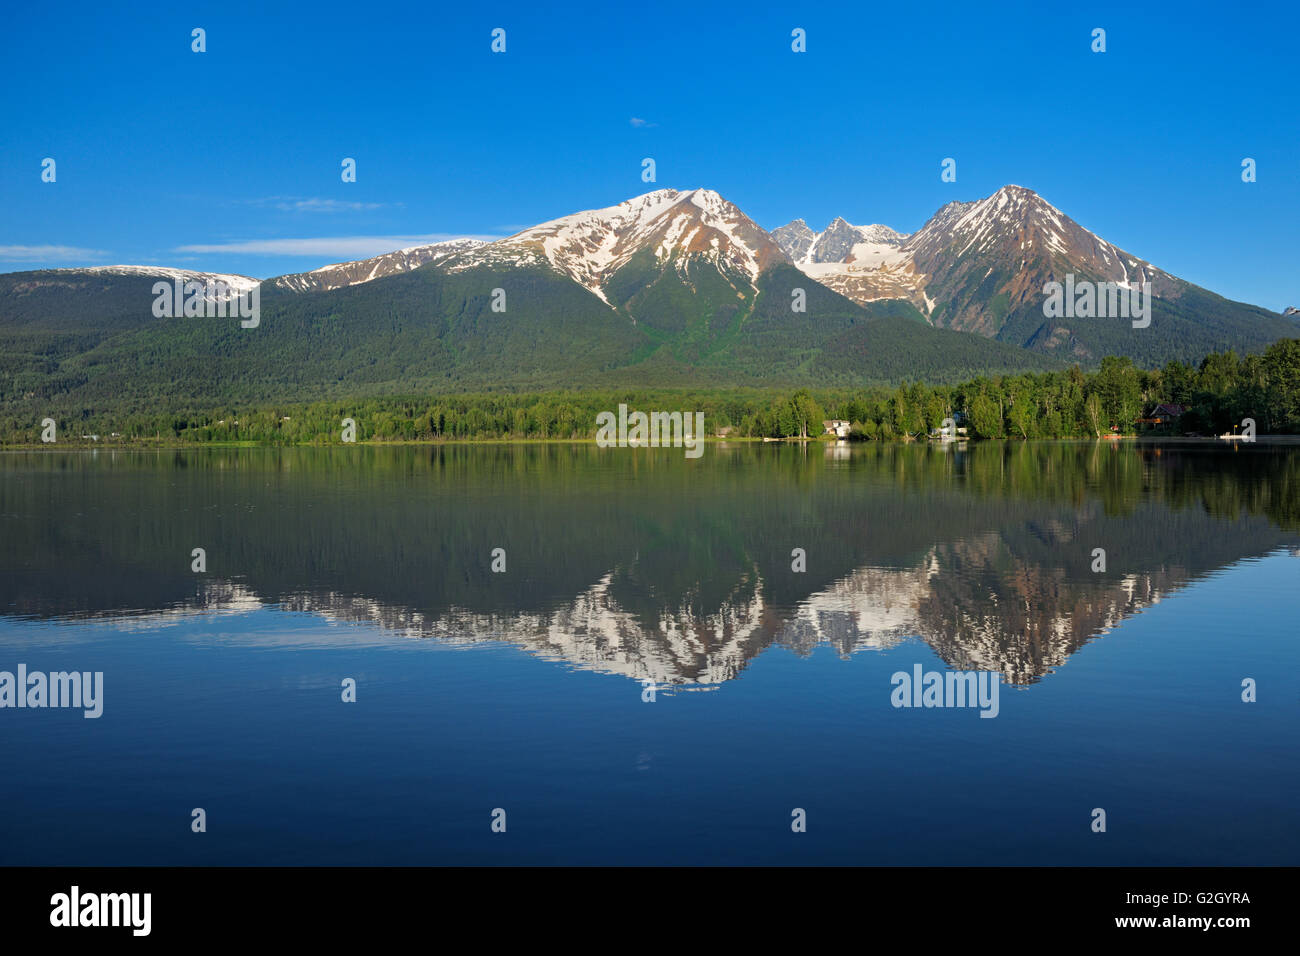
[525, 690]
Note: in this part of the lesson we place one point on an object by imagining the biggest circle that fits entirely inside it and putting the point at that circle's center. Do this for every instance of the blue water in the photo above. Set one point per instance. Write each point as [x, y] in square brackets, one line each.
[229, 699]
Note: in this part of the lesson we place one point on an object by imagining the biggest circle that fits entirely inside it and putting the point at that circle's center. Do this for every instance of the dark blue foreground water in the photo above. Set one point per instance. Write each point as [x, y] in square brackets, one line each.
[523, 690]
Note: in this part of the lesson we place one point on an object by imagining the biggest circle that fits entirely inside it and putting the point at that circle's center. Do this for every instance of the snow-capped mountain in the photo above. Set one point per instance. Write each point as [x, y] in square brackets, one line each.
[863, 263]
[590, 247]
[665, 283]
[1006, 247]
[981, 267]
[344, 274]
[841, 242]
[236, 282]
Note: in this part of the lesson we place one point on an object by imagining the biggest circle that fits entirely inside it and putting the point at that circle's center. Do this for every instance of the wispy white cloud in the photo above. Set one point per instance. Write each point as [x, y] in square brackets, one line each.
[642, 124]
[48, 253]
[355, 247]
[327, 205]
[315, 204]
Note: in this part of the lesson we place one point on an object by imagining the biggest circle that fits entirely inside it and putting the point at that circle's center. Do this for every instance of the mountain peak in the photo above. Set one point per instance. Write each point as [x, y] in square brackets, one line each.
[712, 202]
[840, 242]
[657, 199]
[1022, 198]
[592, 245]
[1014, 242]
[795, 239]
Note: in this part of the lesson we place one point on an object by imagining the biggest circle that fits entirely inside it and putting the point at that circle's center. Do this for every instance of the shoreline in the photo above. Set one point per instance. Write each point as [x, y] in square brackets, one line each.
[163, 445]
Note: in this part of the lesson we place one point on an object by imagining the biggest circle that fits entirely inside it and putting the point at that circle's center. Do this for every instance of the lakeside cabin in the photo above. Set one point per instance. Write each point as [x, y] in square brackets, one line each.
[836, 427]
[1163, 414]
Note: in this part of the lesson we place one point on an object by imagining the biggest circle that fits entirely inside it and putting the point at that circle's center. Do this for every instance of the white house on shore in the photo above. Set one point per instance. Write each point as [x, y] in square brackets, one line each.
[948, 433]
[836, 427]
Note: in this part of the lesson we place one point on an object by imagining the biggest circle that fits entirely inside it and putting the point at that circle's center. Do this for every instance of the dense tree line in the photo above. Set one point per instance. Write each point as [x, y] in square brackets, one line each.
[1217, 394]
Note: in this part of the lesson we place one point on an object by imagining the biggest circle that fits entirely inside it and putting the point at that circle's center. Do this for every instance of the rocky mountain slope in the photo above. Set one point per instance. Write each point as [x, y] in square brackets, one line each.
[982, 267]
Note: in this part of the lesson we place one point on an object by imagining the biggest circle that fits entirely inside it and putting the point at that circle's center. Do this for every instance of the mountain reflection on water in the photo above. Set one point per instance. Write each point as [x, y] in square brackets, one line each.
[641, 563]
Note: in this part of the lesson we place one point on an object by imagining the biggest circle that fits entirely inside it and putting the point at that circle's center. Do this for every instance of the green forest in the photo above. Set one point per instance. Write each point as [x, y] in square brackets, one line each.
[1216, 396]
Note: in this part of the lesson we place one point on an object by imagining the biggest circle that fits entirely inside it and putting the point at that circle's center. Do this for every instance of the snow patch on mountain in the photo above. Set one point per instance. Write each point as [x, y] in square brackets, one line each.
[1014, 229]
[343, 274]
[984, 226]
[236, 282]
[841, 242]
[592, 245]
[863, 263]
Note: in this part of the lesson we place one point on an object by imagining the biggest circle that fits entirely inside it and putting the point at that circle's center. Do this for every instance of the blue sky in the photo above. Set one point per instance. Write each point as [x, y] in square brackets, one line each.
[229, 160]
